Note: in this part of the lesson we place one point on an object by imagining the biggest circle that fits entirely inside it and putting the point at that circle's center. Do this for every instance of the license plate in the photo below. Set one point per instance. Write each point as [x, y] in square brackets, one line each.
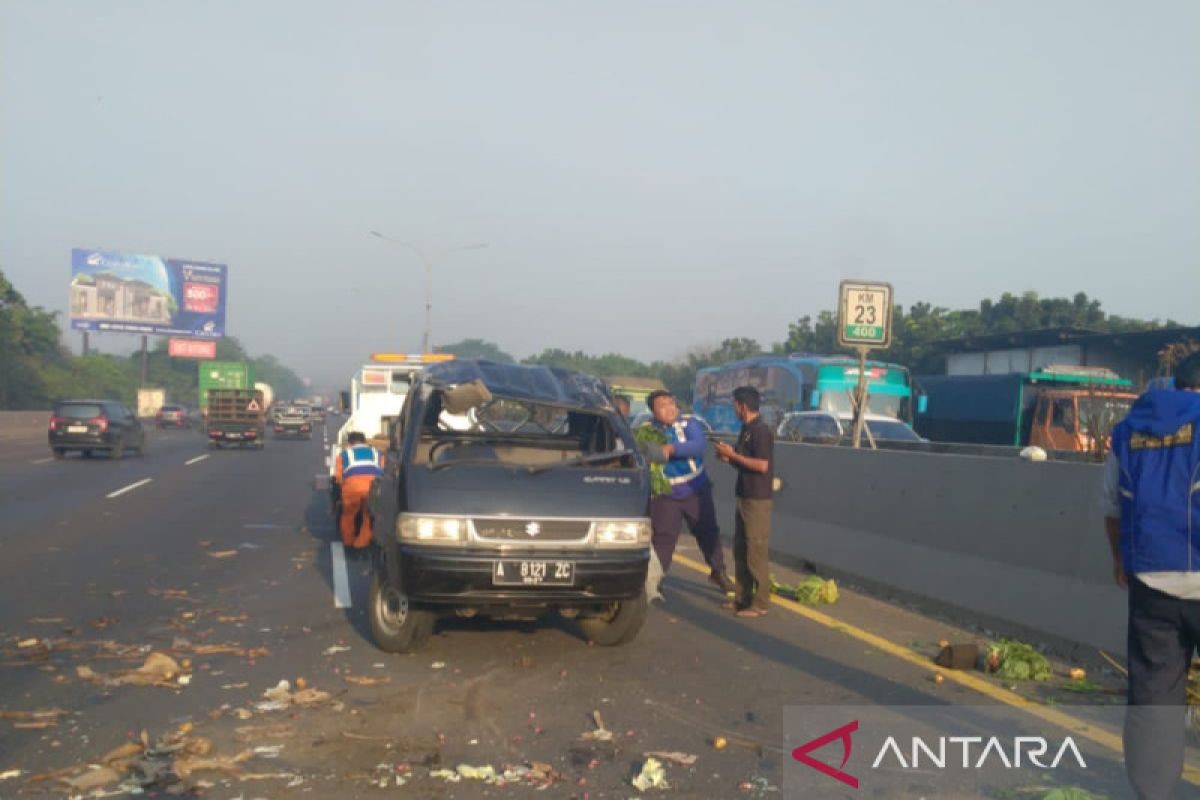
[533, 573]
[77, 429]
[233, 436]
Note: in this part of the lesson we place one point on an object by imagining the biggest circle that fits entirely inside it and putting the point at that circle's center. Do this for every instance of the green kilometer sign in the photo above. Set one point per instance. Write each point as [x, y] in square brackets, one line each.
[865, 333]
[864, 314]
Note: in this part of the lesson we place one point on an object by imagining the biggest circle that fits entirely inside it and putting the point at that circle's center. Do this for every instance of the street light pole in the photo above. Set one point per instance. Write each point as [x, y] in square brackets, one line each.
[427, 336]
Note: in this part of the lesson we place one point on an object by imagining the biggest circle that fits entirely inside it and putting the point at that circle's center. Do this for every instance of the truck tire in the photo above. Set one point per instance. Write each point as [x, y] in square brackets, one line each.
[396, 626]
[619, 626]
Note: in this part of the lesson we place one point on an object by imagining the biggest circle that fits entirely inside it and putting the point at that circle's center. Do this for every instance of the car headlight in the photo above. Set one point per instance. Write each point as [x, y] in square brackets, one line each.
[421, 528]
[622, 532]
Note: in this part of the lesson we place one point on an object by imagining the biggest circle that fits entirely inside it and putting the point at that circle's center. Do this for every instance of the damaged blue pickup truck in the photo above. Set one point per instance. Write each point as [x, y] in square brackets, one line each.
[514, 492]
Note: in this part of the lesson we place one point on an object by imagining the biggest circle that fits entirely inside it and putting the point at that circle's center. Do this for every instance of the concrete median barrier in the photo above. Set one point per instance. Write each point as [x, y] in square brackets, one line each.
[18, 426]
[1016, 541]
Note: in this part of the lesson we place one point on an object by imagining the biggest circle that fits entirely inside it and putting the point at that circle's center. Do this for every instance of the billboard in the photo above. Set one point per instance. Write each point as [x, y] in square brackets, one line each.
[192, 348]
[130, 293]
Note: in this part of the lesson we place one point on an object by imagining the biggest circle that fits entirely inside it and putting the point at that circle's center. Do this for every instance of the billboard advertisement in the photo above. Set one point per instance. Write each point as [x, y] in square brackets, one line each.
[130, 293]
[192, 348]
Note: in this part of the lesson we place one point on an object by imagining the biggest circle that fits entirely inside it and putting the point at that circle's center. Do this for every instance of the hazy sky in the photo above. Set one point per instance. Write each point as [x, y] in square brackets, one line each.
[648, 176]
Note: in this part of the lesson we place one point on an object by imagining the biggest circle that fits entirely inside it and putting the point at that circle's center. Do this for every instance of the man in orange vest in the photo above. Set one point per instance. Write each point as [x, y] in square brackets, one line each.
[358, 465]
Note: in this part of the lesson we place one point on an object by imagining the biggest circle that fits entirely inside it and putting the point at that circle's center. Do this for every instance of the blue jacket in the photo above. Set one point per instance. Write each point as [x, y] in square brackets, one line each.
[685, 470]
[362, 459]
[1158, 452]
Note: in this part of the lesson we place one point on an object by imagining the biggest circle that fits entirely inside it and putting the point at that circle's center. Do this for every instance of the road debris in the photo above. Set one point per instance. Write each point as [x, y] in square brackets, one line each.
[159, 669]
[363, 680]
[720, 743]
[600, 734]
[1012, 660]
[812, 591]
[8, 774]
[438, 665]
[280, 696]
[26, 643]
[682, 759]
[222, 553]
[652, 776]
[958, 656]
[335, 649]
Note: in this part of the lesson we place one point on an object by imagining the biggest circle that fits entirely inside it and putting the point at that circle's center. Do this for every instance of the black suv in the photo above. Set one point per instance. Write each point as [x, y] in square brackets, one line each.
[91, 426]
[511, 492]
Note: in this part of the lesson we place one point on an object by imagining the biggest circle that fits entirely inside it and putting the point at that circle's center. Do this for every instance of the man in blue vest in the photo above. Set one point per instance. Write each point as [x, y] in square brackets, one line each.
[358, 466]
[691, 496]
[1152, 499]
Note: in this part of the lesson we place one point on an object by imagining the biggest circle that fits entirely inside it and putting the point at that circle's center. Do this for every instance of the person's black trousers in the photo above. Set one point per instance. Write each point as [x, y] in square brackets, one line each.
[1164, 632]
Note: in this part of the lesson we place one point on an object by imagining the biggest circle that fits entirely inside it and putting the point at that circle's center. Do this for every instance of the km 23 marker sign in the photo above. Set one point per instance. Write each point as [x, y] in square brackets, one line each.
[864, 314]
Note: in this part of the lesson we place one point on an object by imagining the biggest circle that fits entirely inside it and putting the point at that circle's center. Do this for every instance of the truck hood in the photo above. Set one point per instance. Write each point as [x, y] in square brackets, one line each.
[485, 490]
[1162, 412]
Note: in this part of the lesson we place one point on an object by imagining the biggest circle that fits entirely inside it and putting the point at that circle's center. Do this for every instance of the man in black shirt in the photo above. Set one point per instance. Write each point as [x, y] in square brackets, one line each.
[753, 458]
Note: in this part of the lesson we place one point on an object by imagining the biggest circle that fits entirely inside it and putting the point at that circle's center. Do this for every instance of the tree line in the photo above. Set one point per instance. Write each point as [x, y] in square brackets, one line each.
[916, 332]
[36, 369]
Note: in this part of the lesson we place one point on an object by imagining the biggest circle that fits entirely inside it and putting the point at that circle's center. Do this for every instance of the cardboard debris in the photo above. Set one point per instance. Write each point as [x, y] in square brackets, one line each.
[652, 776]
[95, 778]
[254, 733]
[682, 759]
[363, 680]
[158, 669]
[184, 767]
[600, 734]
[281, 696]
[28, 716]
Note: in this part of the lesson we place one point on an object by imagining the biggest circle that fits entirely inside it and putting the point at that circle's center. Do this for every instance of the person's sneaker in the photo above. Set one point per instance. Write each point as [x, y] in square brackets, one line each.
[722, 582]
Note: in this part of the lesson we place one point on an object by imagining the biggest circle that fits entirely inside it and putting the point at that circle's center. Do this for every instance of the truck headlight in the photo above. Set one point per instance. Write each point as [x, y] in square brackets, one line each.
[622, 532]
[422, 528]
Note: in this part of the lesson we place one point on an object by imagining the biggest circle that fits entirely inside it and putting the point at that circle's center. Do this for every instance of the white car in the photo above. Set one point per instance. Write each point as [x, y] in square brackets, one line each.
[822, 427]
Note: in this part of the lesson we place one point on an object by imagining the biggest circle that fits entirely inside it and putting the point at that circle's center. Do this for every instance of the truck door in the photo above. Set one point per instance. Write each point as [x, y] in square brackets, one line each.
[1063, 431]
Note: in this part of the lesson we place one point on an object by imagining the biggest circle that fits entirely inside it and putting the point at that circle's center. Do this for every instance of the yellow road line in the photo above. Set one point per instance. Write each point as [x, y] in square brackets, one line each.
[1053, 716]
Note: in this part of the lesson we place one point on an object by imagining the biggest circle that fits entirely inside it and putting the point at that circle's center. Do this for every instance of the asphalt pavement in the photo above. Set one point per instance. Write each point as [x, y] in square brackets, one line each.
[226, 562]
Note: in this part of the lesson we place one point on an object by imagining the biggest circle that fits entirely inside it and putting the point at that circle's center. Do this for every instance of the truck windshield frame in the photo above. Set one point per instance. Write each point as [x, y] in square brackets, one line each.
[519, 432]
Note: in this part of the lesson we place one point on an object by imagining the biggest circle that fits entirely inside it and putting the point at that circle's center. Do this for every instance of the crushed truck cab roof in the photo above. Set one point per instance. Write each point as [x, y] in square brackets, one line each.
[550, 385]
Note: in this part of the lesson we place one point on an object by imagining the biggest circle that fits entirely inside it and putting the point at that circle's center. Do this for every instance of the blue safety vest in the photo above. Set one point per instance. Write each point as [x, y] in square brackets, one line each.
[685, 474]
[1158, 453]
[362, 459]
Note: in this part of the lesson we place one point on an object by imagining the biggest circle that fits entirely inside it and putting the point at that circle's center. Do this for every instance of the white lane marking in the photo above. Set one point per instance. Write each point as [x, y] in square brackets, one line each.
[129, 488]
[196, 460]
[42, 460]
[341, 580]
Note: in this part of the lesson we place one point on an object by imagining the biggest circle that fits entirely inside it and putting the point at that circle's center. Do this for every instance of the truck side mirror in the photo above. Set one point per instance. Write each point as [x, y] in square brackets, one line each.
[922, 403]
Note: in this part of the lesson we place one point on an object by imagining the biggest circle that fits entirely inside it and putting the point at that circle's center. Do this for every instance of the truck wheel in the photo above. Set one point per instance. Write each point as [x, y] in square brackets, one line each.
[117, 451]
[396, 625]
[619, 626]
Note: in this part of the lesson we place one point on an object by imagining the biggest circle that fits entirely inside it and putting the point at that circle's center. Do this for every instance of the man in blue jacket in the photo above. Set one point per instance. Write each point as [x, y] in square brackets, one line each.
[691, 496]
[1152, 498]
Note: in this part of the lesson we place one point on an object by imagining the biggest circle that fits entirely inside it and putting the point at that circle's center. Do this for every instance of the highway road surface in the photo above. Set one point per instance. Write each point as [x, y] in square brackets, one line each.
[219, 574]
